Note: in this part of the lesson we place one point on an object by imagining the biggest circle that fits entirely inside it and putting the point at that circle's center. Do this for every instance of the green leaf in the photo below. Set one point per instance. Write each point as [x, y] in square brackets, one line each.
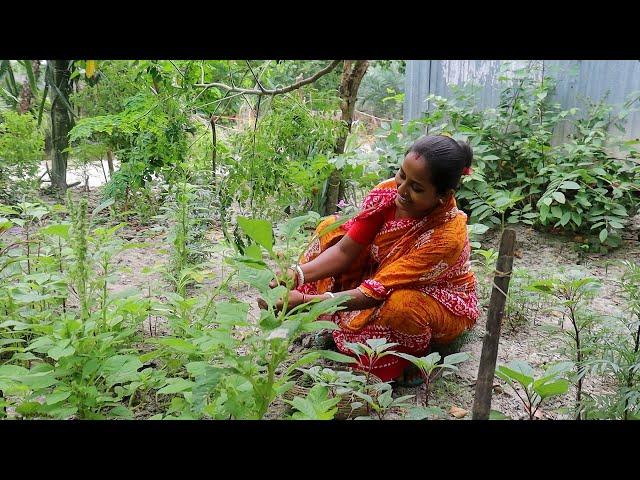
[603, 235]
[260, 278]
[517, 370]
[30, 297]
[421, 413]
[260, 231]
[317, 354]
[558, 197]
[496, 415]
[566, 216]
[106, 204]
[569, 185]
[178, 344]
[61, 350]
[319, 325]
[57, 397]
[27, 409]
[456, 358]
[317, 405]
[11, 341]
[548, 389]
[177, 385]
[121, 412]
[39, 380]
[253, 251]
[12, 371]
[121, 364]
[228, 313]
[196, 369]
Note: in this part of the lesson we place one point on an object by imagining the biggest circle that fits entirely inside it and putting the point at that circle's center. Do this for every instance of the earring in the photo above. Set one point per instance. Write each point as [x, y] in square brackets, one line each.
[440, 200]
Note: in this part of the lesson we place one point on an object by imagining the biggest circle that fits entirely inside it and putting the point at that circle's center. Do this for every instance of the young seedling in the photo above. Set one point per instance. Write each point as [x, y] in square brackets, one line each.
[371, 352]
[431, 363]
[381, 402]
[536, 390]
[317, 405]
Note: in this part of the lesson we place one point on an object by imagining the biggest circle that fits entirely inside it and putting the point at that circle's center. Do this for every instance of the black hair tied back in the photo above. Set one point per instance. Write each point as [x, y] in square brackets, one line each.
[446, 158]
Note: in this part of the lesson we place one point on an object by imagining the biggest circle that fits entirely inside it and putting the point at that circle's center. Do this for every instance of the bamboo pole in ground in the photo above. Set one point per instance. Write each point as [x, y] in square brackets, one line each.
[486, 370]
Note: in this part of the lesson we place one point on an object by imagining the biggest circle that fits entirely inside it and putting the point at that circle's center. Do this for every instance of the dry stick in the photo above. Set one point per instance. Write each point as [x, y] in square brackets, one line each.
[486, 370]
[214, 152]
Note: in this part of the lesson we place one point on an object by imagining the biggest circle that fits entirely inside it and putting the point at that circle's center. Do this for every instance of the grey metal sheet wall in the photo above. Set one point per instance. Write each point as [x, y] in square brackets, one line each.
[577, 80]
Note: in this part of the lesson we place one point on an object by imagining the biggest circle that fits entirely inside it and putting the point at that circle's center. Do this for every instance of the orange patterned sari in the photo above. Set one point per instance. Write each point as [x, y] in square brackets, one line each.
[419, 267]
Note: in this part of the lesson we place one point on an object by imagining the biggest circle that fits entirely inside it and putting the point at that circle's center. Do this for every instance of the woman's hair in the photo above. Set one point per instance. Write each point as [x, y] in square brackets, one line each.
[446, 159]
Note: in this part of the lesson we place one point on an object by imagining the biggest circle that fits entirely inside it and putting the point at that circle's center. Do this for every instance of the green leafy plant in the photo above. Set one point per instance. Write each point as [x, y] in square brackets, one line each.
[380, 401]
[21, 152]
[534, 390]
[71, 345]
[316, 405]
[572, 294]
[619, 347]
[428, 365]
[231, 365]
[282, 162]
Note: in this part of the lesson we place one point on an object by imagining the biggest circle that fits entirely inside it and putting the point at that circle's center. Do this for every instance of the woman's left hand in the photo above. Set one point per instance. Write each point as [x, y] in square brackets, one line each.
[295, 299]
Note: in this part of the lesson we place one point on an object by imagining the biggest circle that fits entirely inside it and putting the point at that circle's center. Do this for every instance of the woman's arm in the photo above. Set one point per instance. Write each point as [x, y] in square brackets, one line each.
[333, 261]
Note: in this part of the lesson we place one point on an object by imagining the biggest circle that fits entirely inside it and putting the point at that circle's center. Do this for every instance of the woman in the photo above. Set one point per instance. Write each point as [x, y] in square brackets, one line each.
[403, 261]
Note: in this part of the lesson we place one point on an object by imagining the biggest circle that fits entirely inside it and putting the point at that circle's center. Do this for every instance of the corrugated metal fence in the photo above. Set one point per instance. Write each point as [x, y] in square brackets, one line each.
[577, 80]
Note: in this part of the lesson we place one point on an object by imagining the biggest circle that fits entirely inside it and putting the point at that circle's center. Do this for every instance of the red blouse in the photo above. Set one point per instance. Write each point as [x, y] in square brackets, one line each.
[364, 230]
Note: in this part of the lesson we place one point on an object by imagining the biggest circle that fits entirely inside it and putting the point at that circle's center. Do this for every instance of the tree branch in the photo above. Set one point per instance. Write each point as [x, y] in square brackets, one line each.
[276, 91]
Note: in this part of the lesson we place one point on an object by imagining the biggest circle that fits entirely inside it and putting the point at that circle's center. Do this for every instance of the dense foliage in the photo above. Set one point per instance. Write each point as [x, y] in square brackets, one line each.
[227, 186]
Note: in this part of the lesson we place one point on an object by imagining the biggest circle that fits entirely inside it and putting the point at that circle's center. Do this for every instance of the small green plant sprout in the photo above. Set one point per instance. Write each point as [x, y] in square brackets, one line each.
[318, 405]
[371, 352]
[381, 401]
[341, 383]
[430, 367]
[536, 390]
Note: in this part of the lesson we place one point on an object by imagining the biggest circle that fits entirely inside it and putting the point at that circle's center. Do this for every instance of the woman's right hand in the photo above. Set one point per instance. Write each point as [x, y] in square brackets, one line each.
[289, 273]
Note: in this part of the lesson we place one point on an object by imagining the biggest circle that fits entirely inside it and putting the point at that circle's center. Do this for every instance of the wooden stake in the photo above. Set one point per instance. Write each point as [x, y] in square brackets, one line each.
[486, 370]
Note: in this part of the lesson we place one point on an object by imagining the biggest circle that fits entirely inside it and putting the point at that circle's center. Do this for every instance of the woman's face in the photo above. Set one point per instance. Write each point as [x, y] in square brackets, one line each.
[416, 195]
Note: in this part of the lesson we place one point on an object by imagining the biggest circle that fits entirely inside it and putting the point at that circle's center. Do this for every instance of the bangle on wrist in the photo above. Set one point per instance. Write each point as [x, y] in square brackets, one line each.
[299, 276]
[331, 295]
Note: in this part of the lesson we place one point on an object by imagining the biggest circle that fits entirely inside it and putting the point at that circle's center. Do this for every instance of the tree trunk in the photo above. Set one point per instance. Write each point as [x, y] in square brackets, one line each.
[61, 122]
[352, 74]
[110, 162]
[26, 95]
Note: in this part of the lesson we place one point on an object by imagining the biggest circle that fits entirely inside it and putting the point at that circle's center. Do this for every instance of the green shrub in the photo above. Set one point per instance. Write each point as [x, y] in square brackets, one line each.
[21, 151]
